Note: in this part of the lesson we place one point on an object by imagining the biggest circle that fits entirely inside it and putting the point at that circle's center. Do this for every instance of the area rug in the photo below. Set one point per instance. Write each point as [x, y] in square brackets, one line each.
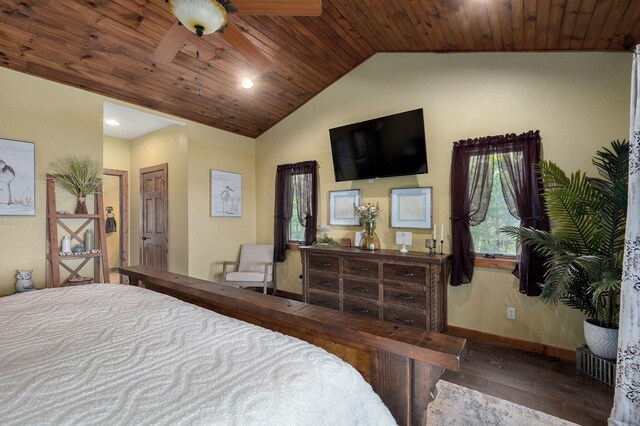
[456, 405]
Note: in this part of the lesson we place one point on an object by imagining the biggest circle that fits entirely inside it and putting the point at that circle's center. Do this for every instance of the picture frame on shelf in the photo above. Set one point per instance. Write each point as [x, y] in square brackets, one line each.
[412, 207]
[341, 207]
[226, 194]
[17, 178]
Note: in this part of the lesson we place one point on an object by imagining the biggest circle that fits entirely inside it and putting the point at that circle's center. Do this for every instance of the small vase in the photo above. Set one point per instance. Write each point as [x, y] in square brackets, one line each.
[81, 206]
[370, 240]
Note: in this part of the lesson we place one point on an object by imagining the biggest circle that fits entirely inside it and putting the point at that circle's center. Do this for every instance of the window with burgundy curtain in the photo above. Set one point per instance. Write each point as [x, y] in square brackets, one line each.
[471, 184]
[301, 180]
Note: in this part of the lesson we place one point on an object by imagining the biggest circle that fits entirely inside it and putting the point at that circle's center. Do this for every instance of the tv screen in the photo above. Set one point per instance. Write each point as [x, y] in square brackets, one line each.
[394, 145]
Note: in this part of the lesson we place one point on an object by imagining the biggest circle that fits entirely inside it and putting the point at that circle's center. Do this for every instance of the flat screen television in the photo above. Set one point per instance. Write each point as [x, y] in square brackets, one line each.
[394, 145]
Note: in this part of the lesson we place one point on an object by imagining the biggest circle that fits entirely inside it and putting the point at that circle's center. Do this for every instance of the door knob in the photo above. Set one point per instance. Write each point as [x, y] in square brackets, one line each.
[145, 238]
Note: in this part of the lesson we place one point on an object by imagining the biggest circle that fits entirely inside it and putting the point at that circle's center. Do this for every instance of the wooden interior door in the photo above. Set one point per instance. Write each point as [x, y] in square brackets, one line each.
[154, 197]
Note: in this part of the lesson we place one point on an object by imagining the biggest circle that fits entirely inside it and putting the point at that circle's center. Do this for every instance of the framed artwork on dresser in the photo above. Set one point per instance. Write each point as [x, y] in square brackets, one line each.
[411, 208]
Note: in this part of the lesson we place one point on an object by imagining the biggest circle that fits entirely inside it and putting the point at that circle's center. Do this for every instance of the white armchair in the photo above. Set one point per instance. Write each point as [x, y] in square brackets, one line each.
[256, 268]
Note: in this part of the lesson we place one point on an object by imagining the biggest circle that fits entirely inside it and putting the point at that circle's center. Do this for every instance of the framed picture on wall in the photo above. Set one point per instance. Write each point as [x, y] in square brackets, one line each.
[341, 207]
[411, 208]
[17, 178]
[226, 194]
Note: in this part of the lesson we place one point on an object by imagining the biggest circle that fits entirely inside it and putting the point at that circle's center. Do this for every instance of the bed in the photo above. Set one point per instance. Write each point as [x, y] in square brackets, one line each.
[117, 354]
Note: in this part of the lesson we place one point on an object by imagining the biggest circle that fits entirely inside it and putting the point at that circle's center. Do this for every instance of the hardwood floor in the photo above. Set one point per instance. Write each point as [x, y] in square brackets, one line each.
[548, 384]
[544, 383]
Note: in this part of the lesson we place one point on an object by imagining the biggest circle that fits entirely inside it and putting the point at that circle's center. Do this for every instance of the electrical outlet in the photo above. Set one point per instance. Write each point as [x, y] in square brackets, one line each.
[511, 313]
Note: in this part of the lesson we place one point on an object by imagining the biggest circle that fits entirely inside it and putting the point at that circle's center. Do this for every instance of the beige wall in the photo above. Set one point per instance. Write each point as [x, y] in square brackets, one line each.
[61, 121]
[116, 153]
[578, 101]
[198, 243]
[213, 240]
[169, 146]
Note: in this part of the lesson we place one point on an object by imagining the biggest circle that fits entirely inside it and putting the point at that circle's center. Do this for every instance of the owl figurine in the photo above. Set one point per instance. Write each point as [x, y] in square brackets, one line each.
[23, 281]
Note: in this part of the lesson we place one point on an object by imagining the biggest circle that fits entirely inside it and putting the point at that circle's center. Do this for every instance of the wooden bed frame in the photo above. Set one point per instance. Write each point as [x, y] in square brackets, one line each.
[402, 364]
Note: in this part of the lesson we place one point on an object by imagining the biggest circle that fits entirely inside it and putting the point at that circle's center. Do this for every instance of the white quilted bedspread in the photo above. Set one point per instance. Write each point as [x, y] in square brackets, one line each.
[117, 354]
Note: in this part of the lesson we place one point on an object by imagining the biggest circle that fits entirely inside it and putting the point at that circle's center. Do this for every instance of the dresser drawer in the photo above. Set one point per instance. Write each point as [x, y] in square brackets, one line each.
[404, 316]
[360, 268]
[325, 300]
[363, 289]
[324, 282]
[323, 263]
[404, 273]
[367, 308]
[400, 296]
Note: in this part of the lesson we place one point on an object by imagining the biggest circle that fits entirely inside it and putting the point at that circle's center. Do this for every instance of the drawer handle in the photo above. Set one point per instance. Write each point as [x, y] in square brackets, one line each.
[362, 269]
[361, 310]
[361, 289]
[403, 297]
[324, 283]
[323, 265]
[323, 302]
[405, 321]
[404, 274]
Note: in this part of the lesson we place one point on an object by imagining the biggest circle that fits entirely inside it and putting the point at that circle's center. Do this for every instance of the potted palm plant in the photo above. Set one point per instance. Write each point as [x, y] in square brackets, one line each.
[586, 243]
[80, 176]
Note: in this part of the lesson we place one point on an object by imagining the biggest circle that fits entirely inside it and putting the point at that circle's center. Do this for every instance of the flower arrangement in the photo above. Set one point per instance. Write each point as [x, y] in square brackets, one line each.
[367, 213]
[325, 240]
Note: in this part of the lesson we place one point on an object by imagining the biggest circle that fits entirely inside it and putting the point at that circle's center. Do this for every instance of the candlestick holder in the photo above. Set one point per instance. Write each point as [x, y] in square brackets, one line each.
[441, 246]
[431, 245]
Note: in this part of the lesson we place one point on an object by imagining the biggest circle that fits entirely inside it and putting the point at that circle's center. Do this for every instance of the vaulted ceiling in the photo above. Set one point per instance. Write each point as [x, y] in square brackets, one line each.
[105, 46]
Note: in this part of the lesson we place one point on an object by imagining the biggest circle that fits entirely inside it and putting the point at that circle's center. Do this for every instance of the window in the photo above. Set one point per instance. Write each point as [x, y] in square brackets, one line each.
[296, 229]
[493, 178]
[296, 206]
[487, 238]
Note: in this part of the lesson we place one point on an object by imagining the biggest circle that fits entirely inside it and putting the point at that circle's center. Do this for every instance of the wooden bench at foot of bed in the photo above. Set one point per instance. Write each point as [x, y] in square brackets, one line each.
[402, 364]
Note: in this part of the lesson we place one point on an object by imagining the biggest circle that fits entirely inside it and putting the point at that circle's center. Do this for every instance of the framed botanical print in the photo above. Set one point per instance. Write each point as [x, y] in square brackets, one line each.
[341, 207]
[411, 208]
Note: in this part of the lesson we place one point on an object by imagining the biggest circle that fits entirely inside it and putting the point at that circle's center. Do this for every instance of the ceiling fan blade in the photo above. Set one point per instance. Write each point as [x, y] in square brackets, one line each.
[278, 7]
[170, 44]
[243, 45]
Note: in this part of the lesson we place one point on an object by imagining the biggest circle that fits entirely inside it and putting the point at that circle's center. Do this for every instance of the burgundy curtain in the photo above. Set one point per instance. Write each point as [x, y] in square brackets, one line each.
[522, 191]
[303, 178]
[471, 184]
[471, 181]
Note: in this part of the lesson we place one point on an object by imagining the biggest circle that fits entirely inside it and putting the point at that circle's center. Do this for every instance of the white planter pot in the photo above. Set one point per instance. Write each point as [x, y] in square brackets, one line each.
[603, 342]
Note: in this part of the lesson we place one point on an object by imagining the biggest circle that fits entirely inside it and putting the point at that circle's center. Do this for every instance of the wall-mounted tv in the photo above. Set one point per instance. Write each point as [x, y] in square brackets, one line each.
[394, 145]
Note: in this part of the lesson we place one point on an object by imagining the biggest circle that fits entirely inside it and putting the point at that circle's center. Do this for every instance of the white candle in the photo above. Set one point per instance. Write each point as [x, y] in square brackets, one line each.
[442, 233]
[435, 231]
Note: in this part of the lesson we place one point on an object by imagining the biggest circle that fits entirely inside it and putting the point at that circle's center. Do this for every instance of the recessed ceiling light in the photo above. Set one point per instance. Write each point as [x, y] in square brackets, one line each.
[112, 122]
[247, 83]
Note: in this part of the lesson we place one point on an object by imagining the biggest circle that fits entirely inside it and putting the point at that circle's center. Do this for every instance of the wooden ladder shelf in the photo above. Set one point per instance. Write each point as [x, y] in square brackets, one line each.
[68, 223]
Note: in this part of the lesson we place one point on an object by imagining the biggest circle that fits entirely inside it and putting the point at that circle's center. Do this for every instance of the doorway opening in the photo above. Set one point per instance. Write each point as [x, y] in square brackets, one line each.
[115, 188]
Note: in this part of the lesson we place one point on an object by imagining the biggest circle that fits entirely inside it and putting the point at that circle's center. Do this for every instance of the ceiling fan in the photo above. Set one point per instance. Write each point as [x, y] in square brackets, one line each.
[207, 16]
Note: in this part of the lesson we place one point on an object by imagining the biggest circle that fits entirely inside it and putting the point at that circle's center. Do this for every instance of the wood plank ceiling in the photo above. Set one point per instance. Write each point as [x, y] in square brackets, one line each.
[104, 46]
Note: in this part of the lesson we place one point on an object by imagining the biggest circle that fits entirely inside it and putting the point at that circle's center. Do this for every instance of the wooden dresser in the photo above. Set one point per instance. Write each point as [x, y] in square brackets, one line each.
[408, 289]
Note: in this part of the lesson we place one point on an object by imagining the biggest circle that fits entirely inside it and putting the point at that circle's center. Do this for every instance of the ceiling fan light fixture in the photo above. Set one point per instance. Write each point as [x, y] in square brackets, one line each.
[199, 16]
